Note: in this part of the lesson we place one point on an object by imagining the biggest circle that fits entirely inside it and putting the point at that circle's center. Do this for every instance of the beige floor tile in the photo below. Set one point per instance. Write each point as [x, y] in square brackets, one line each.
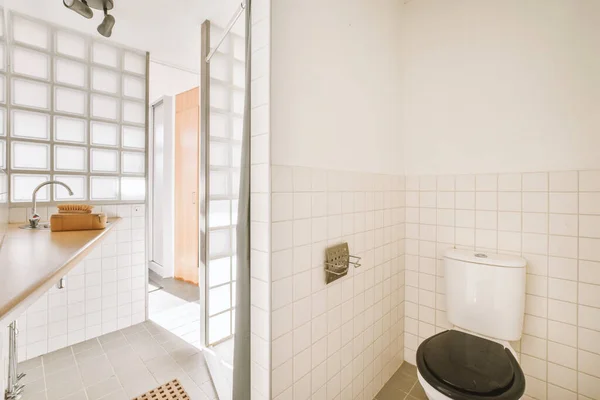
[58, 364]
[115, 344]
[89, 353]
[103, 388]
[138, 383]
[35, 388]
[80, 395]
[87, 345]
[57, 355]
[30, 364]
[109, 337]
[32, 375]
[118, 395]
[96, 370]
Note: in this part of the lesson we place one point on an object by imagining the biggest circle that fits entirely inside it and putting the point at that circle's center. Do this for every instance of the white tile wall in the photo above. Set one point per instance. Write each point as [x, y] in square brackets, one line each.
[260, 214]
[105, 292]
[345, 339]
[552, 220]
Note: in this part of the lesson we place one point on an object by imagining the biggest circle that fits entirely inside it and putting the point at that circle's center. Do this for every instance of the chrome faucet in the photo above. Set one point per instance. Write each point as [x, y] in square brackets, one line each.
[34, 220]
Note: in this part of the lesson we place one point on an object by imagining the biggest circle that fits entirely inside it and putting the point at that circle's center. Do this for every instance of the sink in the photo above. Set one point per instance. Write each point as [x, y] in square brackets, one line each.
[40, 227]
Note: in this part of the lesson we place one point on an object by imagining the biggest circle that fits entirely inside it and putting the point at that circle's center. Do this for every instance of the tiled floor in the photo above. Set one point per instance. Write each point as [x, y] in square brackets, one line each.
[403, 385]
[176, 307]
[118, 366]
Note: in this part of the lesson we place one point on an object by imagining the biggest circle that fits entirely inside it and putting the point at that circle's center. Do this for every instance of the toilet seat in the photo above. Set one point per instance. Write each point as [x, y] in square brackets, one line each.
[462, 366]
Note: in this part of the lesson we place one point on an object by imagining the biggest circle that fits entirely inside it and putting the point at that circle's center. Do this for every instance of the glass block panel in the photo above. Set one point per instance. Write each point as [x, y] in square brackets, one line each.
[30, 32]
[26, 155]
[134, 113]
[219, 183]
[105, 55]
[70, 101]
[235, 183]
[28, 124]
[2, 121]
[70, 129]
[77, 183]
[219, 154]
[30, 94]
[104, 188]
[219, 299]
[23, 186]
[220, 242]
[219, 271]
[234, 211]
[218, 125]
[135, 63]
[70, 72]
[104, 160]
[239, 75]
[219, 97]
[3, 154]
[219, 213]
[2, 89]
[31, 63]
[133, 163]
[219, 327]
[236, 155]
[220, 67]
[238, 102]
[238, 128]
[134, 87]
[70, 158]
[104, 80]
[104, 134]
[105, 107]
[70, 44]
[239, 48]
[134, 138]
[2, 56]
[133, 188]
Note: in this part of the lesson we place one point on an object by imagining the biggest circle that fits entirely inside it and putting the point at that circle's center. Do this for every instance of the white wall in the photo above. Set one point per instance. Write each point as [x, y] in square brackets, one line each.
[335, 85]
[169, 81]
[497, 86]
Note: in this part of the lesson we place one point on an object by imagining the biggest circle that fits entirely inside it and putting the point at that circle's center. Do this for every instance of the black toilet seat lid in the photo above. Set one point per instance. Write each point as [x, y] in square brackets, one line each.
[464, 364]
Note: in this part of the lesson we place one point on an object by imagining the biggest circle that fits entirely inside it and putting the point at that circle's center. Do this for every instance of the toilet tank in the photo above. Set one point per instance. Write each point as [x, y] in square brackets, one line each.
[485, 293]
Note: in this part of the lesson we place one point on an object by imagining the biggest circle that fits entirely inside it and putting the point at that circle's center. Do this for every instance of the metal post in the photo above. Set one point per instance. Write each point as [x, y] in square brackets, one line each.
[13, 389]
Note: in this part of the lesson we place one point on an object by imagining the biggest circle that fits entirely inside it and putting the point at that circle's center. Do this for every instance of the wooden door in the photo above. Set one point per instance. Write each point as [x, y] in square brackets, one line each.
[187, 151]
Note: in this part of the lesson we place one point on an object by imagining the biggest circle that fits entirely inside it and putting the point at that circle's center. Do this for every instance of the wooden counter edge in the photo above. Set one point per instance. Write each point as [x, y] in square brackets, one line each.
[19, 304]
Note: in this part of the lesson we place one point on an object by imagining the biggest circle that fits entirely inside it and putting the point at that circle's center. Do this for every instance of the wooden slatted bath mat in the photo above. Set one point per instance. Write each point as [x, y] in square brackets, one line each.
[169, 391]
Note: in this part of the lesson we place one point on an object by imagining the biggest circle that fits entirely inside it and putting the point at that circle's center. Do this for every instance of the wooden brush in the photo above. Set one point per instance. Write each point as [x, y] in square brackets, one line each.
[75, 209]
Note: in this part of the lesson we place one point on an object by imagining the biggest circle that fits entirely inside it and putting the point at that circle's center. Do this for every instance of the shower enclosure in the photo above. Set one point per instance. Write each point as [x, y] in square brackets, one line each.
[224, 203]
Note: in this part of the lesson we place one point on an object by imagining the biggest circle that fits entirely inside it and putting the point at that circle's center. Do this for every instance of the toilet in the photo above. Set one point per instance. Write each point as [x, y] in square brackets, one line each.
[485, 302]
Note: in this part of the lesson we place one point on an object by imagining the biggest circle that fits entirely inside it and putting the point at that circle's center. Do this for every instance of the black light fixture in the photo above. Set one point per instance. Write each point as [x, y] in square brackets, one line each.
[84, 8]
[80, 7]
[105, 28]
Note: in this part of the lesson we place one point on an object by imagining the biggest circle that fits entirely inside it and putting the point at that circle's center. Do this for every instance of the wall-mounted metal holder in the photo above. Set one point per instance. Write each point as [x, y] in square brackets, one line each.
[338, 261]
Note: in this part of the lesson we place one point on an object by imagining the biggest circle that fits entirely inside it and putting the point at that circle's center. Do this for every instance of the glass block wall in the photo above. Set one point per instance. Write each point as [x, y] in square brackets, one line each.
[73, 108]
[227, 81]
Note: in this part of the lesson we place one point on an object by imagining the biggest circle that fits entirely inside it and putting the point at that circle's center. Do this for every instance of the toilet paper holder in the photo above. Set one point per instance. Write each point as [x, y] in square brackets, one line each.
[338, 260]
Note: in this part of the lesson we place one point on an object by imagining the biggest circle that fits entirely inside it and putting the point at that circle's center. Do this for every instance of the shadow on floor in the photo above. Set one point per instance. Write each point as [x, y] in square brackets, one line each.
[404, 384]
[184, 290]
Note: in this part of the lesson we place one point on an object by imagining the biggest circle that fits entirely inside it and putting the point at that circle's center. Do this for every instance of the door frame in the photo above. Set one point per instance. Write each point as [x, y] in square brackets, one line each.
[166, 270]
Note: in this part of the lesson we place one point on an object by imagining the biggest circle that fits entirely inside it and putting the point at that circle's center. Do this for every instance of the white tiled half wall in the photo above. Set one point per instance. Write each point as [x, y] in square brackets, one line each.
[345, 339]
[553, 221]
[104, 293]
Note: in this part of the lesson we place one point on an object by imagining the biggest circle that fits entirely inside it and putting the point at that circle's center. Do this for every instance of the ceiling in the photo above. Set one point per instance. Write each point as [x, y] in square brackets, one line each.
[168, 29]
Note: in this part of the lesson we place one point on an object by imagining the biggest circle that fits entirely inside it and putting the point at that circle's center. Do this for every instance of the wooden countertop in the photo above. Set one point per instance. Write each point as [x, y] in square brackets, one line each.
[32, 261]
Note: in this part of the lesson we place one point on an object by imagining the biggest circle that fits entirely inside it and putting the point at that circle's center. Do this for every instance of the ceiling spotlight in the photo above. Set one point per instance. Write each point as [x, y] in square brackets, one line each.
[80, 7]
[105, 28]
